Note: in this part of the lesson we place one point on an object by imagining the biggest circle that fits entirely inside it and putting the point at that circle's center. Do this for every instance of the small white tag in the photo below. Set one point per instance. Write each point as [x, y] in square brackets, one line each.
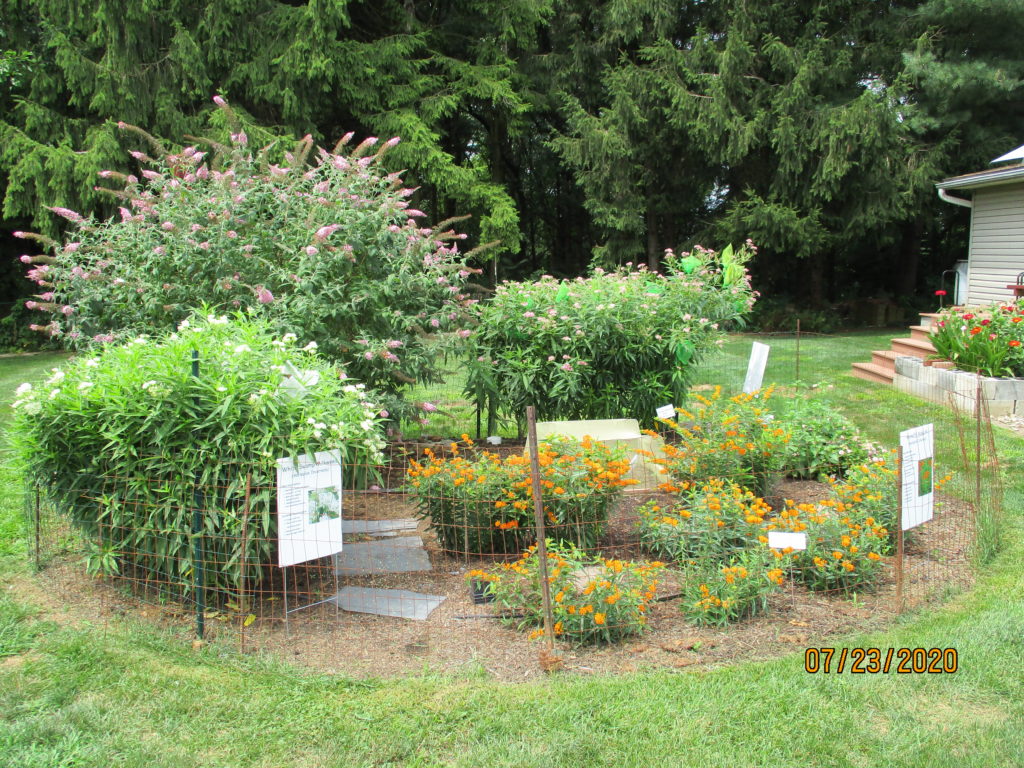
[666, 412]
[784, 539]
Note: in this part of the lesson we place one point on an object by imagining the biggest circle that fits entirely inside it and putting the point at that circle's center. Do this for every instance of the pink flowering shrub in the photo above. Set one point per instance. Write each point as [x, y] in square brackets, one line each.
[323, 245]
[614, 344]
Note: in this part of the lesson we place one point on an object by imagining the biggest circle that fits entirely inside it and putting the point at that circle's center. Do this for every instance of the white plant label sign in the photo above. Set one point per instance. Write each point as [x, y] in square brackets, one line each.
[783, 539]
[917, 475]
[756, 366]
[666, 412]
[308, 508]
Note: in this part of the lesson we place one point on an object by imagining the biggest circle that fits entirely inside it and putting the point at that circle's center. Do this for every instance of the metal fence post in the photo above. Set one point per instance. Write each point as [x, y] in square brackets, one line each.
[538, 511]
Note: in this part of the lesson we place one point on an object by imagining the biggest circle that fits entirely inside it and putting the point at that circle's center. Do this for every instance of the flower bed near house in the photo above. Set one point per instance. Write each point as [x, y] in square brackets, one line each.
[988, 340]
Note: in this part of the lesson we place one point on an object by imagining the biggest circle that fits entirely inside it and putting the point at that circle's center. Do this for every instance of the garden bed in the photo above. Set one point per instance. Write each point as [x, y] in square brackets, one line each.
[460, 635]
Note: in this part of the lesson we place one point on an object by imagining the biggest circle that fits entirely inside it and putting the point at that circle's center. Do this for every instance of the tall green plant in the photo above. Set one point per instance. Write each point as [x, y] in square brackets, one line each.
[127, 442]
[614, 344]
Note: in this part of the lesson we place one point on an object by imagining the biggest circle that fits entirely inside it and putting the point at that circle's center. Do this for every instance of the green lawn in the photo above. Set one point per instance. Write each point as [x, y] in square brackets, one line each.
[125, 694]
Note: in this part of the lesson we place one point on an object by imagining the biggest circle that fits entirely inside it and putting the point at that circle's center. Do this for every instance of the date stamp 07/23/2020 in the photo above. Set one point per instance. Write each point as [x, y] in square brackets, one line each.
[873, 661]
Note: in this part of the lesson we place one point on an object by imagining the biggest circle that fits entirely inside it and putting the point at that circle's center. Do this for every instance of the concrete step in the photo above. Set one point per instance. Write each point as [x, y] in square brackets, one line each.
[921, 332]
[884, 358]
[913, 347]
[872, 372]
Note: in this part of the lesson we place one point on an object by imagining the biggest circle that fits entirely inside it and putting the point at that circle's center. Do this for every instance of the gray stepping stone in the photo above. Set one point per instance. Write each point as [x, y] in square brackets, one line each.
[378, 527]
[398, 555]
[388, 602]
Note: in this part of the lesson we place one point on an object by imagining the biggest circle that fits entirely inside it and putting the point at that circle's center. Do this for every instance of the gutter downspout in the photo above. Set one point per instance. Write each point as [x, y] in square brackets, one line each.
[948, 198]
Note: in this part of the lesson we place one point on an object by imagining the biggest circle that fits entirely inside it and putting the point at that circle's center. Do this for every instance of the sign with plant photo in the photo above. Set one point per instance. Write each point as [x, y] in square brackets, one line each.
[916, 475]
[308, 508]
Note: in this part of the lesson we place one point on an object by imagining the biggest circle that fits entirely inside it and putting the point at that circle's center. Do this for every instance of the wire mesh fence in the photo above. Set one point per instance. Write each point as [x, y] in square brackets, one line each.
[718, 535]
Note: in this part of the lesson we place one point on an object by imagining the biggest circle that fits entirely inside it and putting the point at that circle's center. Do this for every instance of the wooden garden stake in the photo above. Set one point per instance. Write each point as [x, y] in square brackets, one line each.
[538, 511]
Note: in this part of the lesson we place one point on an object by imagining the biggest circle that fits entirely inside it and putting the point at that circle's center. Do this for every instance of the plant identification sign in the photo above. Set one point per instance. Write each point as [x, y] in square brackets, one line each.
[755, 368]
[308, 508]
[917, 472]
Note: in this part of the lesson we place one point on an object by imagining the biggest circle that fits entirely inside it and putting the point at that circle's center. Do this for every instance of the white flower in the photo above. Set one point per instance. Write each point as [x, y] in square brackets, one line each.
[288, 338]
[278, 344]
[242, 348]
[366, 425]
[309, 347]
[139, 340]
[92, 362]
[213, 320]
[319, 425]
[349, 388]
[222, 389]
[54, 393]
[311, 420]
[183, 325]
[148, 384]
[253, 397]
[317, 433]
[23, 389]
[84, 385]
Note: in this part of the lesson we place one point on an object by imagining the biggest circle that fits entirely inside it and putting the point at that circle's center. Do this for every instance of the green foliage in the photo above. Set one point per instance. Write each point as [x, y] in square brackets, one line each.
[822, 442]
[593, 600]
[128, 442]
[615, 344]
[482, 504]
[330, 251]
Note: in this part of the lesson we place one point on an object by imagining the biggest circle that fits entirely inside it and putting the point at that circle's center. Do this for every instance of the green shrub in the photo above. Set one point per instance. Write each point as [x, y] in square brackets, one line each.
[327, 249]
[121, 441]
[615, 344]
[822, 442]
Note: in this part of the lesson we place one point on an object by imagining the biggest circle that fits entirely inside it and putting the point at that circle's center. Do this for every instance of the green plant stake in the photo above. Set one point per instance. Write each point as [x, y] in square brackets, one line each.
[198, 575]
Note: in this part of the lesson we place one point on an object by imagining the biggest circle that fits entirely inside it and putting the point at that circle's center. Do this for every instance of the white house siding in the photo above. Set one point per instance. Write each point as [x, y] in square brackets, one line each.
[997, 243]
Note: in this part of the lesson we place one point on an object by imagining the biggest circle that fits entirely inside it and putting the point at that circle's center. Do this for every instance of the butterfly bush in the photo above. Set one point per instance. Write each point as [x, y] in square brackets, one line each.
[324, 244]
[121, 440]
[613, 344]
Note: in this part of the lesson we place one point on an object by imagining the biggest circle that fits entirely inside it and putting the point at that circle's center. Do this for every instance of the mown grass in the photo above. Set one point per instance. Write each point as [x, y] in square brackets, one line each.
[127, 694]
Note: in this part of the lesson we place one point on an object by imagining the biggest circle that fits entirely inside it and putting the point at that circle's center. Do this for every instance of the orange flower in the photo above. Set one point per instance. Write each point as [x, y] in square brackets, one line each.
[599, 618]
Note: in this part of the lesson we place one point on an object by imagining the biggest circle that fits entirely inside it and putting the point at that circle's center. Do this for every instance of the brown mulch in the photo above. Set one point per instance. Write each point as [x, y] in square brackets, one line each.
[460, 635]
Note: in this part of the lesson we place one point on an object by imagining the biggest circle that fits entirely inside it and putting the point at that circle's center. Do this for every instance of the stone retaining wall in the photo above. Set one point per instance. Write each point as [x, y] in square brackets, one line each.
[941, 385]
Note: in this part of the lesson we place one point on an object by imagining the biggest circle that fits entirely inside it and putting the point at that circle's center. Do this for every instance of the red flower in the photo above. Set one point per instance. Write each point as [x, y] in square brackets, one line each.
[968, 316]
[1014, 343]
[986, 321]
[1016, 319]
[940, 293]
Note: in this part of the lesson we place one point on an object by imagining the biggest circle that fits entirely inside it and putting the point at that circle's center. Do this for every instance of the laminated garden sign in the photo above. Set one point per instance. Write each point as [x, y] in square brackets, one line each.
[756, 366]
[916, 475]
[308, 508]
